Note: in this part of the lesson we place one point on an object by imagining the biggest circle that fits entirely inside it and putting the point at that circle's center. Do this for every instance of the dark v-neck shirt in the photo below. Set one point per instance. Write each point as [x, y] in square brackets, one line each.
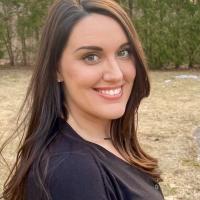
[82, 170]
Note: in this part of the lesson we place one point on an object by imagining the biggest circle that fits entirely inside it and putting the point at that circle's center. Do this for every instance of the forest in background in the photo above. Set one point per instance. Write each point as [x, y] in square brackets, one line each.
[169, 30]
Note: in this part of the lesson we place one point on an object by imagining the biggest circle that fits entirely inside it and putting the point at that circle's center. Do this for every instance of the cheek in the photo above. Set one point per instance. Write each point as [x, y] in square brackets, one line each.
[130, 73]
[80, 76]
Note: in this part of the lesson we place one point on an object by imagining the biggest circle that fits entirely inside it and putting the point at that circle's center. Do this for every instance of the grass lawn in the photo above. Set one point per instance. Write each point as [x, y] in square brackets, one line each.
[167, 120]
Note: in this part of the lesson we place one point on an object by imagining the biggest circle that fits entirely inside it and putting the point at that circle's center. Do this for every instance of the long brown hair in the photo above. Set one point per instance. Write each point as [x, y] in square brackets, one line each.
[45, 102]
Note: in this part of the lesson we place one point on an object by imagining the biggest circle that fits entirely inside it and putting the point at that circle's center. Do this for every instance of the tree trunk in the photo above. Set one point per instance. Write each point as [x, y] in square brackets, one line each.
[130, 5]
[8, 44]
[24, 55]
[177, 66]
[8, 35]
[10, 50]
[191, 63]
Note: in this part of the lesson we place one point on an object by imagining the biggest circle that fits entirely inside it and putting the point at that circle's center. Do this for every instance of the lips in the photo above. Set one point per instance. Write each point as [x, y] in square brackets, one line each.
[110, 92]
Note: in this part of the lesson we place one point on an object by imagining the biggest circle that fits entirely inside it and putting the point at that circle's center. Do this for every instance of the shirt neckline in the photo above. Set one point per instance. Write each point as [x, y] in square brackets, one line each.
[67, 125]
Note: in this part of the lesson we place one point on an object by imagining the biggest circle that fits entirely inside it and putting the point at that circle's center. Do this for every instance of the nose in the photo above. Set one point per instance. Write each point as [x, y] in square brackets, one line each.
[112, 71]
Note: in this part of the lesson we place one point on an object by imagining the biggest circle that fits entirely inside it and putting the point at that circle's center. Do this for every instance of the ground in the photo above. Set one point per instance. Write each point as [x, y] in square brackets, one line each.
[167, 121]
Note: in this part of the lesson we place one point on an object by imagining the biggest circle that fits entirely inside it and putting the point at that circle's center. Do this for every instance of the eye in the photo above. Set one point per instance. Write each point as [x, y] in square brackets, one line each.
[91, 58]
[125, 53]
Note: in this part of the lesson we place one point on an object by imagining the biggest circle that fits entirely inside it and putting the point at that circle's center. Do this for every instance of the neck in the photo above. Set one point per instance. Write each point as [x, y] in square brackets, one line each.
[90, 128]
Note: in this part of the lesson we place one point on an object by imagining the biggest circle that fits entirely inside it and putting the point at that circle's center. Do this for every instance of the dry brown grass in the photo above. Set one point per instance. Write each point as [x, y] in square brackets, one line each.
[167, 120]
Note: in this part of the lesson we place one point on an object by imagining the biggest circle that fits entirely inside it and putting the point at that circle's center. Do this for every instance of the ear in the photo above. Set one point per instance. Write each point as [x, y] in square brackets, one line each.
[59, 77]
[59, 74]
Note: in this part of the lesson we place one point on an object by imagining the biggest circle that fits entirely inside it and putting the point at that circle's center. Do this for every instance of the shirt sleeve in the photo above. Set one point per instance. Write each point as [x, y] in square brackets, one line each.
[77, 177]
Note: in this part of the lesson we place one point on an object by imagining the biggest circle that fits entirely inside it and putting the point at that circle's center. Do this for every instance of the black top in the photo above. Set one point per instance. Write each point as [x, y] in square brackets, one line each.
[82, 170]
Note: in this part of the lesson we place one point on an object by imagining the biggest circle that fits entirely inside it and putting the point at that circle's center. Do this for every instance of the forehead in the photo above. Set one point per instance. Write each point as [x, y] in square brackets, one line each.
[97, 29]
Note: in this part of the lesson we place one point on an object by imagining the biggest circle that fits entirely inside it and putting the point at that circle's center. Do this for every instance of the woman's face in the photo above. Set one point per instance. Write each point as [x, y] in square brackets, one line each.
[97, 69]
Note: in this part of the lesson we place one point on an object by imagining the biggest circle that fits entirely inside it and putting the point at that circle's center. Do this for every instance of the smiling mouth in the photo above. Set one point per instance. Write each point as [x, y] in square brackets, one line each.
[115, 92]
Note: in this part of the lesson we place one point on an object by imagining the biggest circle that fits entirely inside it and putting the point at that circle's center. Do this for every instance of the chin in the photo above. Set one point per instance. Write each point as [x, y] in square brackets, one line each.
[114, 114]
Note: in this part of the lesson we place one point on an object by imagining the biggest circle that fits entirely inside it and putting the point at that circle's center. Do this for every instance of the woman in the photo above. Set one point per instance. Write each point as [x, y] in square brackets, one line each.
[81, 142]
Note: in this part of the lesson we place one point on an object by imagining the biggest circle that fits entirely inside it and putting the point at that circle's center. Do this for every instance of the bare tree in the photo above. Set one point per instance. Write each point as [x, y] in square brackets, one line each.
[8, 32]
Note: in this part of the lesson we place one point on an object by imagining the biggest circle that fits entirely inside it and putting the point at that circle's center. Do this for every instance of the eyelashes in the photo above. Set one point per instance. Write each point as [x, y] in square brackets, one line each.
[128, 52]
[93, 57]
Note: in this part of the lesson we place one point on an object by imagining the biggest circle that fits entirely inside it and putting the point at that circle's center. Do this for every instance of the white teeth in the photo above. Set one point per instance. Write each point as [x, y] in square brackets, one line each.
[111, 92]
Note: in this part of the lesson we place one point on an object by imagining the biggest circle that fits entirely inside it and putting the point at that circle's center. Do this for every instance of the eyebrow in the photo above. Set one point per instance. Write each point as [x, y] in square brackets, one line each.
[96, 48]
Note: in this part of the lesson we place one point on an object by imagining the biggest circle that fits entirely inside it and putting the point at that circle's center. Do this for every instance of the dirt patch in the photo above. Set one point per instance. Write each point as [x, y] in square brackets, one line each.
[167, 120]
